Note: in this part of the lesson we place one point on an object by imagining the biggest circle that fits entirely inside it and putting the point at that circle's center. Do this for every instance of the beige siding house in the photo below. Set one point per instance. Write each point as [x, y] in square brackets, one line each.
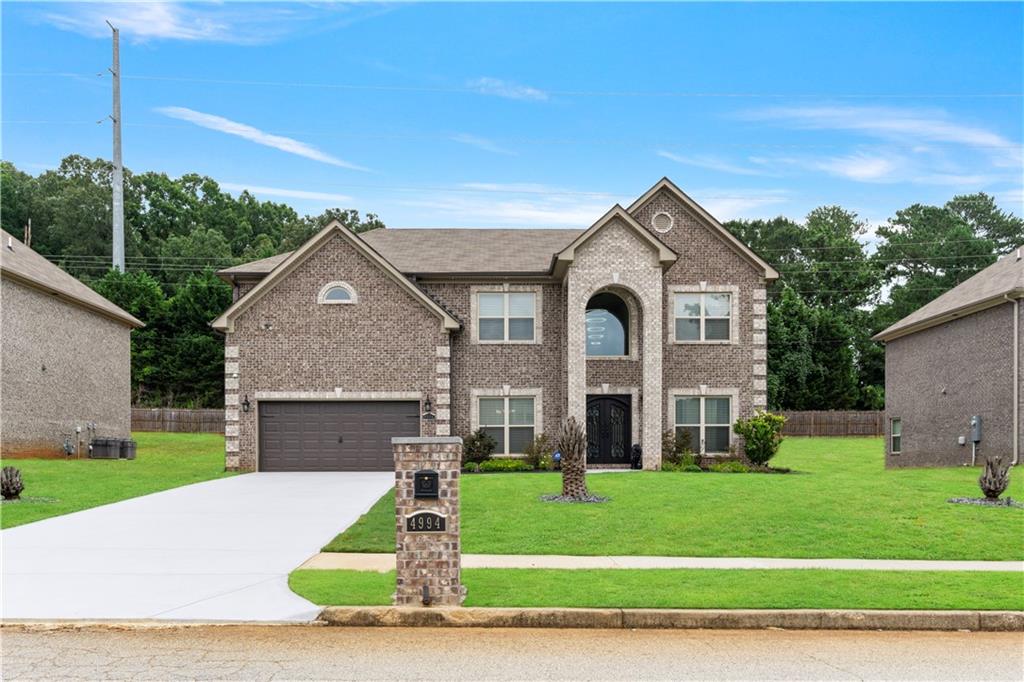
[65, 357]
[652, 319]
[957, 358]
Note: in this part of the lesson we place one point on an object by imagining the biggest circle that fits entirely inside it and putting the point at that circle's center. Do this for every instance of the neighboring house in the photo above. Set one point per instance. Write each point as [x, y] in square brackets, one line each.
[956, 358]
[65, 357]
[652, 319]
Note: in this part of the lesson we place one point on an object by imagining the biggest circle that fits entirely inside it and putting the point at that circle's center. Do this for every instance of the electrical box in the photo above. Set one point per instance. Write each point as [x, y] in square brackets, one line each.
[961, 440]
[976, 428]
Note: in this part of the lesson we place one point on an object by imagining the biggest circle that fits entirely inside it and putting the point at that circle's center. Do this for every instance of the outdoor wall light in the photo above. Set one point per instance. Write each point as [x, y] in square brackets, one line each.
[246, 405]
[428, 409]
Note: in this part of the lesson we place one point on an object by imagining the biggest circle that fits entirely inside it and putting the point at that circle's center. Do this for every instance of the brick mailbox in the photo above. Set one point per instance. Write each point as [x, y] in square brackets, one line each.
[428, 552]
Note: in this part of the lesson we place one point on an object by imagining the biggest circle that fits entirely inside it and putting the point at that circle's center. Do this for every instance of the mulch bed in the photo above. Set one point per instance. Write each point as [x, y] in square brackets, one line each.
[985, 502]
[590, 499]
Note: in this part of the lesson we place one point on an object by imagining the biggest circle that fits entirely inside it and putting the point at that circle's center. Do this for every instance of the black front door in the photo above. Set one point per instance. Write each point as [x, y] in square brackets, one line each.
[608, 429]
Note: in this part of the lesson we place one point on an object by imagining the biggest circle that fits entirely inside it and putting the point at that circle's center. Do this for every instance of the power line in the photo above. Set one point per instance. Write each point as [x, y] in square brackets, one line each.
[451, 137]
[539, 93]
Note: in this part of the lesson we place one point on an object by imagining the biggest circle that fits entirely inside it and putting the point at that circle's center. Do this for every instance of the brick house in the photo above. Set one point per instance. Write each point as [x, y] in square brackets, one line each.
[651, 319]
[65, 358]
[956, 358]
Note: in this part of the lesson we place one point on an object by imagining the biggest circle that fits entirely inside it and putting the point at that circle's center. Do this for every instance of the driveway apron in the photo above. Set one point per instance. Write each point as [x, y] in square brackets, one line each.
[218, 550]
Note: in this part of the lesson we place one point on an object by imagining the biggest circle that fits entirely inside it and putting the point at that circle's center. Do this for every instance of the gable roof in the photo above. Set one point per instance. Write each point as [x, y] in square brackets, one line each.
[226, 320]
[721, 231]
[666, 256]
[990, 287]
[448, 251]
[21, 264]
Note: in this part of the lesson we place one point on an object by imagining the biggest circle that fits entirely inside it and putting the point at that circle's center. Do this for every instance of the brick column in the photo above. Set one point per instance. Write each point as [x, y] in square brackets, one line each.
[427, 557]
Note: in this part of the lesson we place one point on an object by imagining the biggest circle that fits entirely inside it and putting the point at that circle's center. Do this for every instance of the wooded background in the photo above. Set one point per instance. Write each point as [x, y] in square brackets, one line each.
[841, 282]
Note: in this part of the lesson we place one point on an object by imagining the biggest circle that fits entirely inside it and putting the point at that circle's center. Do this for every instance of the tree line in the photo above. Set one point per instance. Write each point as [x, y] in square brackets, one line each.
[835, 291]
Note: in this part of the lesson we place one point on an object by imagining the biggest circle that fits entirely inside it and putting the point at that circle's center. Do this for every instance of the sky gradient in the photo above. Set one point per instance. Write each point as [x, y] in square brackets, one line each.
[534, 115]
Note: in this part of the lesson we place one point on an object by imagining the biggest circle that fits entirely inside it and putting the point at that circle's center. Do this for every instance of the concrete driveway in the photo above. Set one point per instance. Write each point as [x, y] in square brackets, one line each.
[219, 550]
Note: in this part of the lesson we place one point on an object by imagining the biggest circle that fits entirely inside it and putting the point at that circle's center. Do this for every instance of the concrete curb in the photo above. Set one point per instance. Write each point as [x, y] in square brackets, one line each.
[731, 619]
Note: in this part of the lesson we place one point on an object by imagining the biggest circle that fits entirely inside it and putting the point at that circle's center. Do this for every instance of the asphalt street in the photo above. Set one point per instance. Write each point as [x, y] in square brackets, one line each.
[303, 652]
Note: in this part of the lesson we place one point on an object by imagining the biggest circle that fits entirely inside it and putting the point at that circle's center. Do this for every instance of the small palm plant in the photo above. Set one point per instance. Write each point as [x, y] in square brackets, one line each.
[572, 443]
[995, 478]
[10, 483]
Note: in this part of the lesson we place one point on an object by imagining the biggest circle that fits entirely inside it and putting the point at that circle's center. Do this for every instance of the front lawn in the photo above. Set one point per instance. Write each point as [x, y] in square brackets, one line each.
[839, 502]
[164, 460]
[686, 588]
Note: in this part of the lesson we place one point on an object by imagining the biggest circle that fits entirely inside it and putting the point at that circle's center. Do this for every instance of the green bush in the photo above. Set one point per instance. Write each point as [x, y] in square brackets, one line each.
[477, 447]
[762, 433]
[505, 465]
[692, 468]
[538, 453]
[675, 449]
[471, 467]
[730, 467]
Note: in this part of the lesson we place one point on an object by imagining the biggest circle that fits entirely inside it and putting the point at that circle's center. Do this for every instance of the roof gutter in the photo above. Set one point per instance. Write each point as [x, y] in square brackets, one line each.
[1016, 377]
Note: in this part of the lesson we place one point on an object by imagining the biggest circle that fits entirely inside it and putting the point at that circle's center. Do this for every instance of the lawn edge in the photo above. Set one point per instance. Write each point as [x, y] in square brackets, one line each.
[690, 619]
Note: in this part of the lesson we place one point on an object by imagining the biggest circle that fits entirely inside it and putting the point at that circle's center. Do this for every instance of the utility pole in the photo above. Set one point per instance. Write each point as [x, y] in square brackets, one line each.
[118, 178]
[28, 233]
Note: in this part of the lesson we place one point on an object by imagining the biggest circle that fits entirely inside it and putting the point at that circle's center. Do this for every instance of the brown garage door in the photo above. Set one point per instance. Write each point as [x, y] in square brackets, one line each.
[333, 436]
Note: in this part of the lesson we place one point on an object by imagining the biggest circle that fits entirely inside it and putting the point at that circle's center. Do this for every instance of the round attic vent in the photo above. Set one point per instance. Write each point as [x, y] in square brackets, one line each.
[662, 222]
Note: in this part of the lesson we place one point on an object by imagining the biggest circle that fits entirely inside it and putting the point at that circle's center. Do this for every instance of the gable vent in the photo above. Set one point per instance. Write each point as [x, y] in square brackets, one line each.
[662, 222]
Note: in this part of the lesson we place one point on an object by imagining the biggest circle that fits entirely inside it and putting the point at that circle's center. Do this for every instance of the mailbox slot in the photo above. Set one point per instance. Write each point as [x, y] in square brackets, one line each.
[425, 485]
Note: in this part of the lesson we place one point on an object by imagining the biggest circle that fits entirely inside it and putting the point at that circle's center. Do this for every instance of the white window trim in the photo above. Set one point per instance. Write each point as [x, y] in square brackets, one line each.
[507, 392]
[733, 394]
[892, 450]
[322, 300]
[704, 288]
[474, 312]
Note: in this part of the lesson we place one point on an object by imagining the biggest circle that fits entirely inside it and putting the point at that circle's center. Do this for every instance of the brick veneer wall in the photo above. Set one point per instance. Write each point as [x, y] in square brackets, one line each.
[61, 366]
[705, 257]
[936, 379]
[617, 257]
[493, 366]
[433, 560]
[386, 344]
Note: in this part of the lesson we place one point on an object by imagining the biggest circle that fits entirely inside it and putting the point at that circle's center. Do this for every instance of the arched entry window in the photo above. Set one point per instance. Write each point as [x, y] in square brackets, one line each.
[607, 326]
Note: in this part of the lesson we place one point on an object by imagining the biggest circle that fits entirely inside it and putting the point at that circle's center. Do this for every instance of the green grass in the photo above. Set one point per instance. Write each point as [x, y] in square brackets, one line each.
[840, 502]
[690, 588]
[164, 460]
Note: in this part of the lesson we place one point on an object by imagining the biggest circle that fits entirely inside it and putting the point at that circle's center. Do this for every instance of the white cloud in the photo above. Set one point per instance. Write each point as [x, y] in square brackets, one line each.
[735, 204]
[506, 89]
[482, 143]
[247, 132]
[237, 23]
[859, 167]
[284, 192]
[710, 162]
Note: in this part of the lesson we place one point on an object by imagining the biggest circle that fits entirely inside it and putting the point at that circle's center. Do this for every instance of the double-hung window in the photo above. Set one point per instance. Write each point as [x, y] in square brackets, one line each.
[506, 316]
[703, 317]
[707, 420]
[509, 421]
[895, 436]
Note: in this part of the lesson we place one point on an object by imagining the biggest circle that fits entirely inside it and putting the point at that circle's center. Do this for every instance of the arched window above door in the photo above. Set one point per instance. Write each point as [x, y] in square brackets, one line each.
[607, 321]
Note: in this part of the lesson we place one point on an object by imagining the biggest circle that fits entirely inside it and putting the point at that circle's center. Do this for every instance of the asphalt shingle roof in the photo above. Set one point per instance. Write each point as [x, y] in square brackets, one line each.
[1004, 277]
[25, 265]
[451, 251]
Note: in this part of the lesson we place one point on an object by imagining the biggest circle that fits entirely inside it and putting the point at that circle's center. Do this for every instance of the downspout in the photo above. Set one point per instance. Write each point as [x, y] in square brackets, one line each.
[1016, 375]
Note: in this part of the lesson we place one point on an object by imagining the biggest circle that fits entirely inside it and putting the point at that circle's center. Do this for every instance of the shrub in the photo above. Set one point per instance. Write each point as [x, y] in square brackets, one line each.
[993, 480]
[477, 447]
[471, 467]
[10, 483]
[693, 468]
[762, 433]
[538, 452]
[730, 467]
[675, 449]
[505, 465]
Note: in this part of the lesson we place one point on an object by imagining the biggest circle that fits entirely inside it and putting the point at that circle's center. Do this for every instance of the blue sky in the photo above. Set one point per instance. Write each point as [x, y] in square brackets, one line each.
[534, 115]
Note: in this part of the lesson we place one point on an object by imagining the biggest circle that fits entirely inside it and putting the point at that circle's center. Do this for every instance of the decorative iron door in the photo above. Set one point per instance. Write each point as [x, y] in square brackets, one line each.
[609, 429]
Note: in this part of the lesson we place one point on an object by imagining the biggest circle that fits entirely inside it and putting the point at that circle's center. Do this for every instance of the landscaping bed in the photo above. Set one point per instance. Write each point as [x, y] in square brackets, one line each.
[689, 588]
[164, 460]
[838, 502]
